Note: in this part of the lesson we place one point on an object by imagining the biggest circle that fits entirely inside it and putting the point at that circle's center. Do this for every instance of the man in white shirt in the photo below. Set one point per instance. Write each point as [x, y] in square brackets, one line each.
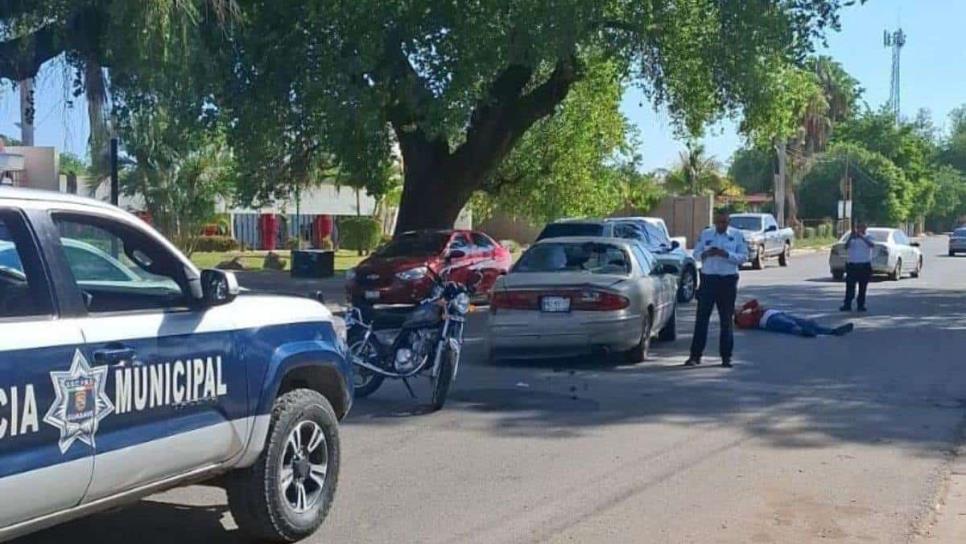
[858, 267]
[721, 250]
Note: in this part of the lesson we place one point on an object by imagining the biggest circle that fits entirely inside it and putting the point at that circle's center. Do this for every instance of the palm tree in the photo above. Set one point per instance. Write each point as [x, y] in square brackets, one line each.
[696, 173]
[832, 102]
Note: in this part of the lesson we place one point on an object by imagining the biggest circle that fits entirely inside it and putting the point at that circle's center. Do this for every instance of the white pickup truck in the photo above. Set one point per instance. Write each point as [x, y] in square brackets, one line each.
[765, 240]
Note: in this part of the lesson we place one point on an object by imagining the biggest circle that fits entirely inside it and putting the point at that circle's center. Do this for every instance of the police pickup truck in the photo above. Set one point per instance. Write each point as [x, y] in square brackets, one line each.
[125, 371]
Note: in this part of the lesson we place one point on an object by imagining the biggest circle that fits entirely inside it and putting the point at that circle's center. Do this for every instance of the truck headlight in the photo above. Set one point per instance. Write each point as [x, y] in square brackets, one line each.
[413, 274]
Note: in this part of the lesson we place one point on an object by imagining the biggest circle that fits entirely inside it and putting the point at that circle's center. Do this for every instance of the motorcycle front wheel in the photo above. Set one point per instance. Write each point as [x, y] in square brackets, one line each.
[444, 378]
[365, 382]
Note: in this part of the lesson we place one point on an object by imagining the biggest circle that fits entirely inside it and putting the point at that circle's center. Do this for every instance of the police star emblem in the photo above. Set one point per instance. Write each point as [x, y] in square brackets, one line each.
[80, 402]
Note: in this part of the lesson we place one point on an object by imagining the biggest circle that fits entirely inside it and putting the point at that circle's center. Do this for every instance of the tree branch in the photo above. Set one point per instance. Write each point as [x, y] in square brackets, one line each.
[21, 58]
[498, 123]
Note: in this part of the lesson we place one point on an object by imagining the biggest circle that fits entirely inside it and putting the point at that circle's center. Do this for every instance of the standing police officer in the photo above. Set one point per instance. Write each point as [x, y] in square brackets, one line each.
[721, 250]
[858, 267]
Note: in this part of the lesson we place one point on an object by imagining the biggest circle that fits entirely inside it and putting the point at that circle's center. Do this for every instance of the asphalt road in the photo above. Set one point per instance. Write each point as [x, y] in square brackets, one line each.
[838, 439]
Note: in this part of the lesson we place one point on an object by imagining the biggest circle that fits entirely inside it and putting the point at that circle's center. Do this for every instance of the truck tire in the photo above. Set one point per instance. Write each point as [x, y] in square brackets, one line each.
[786, 254]
[286, 495]
[670, 331]
[759, 261]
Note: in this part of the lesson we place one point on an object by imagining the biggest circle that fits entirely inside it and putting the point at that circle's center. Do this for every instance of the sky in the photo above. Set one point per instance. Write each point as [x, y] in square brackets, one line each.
[933, 77]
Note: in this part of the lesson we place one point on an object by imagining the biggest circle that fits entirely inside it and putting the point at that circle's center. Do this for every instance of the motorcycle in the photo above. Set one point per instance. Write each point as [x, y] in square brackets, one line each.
[426, 341]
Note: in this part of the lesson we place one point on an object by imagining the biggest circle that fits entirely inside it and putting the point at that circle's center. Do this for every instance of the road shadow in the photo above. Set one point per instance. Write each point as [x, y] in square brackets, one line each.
[146, 522]
[907, 395]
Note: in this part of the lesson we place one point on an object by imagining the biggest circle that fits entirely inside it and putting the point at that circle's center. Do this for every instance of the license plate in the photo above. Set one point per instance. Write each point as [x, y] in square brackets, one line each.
[555, 304]
[372, 295]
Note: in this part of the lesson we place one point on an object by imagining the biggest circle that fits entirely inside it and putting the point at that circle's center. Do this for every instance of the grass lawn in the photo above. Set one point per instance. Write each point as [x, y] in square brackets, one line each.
[815, 243]
[344, 259]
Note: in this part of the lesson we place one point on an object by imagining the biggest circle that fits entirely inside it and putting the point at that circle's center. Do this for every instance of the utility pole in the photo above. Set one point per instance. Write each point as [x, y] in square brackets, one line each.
[115, 185]
[896, 40]
[846, 188]
[28, 111]
[780, 187]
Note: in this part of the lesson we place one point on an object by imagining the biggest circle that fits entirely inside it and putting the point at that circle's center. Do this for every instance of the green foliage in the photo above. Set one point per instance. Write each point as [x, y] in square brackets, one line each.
[359, 233]
[950, 202]
[215, 243]
[575, 163]
[72, 164]
[753, 169]
[180, 170]
[810, 232]
[697, 173]
[882, 192]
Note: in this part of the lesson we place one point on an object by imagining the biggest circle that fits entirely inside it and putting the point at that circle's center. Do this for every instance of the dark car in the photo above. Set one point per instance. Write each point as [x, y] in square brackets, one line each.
[645, 230]
[400, 271]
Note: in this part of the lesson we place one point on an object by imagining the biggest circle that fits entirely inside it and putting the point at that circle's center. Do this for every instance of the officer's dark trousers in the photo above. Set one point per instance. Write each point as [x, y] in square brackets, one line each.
[859, 273]
[714, 291]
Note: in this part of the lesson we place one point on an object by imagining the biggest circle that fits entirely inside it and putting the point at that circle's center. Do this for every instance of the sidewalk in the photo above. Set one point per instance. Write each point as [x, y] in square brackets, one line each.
[282, 283]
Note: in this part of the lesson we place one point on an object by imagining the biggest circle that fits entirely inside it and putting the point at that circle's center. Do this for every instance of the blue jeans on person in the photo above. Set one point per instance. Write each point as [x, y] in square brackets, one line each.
[790, 324]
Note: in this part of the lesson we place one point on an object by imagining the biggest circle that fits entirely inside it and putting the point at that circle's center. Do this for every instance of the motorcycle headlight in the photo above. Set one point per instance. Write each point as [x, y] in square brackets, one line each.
[461, 303]
[412, 274]
[350, 274]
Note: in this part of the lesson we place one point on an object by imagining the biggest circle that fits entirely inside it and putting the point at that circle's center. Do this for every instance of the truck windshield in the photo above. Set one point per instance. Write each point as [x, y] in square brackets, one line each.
[563, 230]
[746, 223]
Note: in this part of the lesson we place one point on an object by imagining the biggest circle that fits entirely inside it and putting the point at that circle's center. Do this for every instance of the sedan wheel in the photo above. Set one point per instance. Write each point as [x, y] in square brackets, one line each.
[896, 274]
[915, 273]
[688, 286]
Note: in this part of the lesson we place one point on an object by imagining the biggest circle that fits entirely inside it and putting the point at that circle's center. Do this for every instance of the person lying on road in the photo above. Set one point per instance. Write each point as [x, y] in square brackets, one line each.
[753, 315]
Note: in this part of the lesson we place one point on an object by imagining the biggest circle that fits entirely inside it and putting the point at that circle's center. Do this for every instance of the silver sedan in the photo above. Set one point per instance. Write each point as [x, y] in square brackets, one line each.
[583, 295]
[894, 255]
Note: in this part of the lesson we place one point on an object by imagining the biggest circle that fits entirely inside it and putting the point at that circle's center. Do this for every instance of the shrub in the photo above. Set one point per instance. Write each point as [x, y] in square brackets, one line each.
[215, 243]
[825, 230]
[511, 245]
[359, 233]
[810, 232]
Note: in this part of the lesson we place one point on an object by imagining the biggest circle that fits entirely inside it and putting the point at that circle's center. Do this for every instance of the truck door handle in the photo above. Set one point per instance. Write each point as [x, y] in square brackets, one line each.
[113, 356]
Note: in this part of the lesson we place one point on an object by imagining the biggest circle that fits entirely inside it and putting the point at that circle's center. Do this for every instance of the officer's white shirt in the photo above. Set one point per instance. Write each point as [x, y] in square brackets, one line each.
[859, 251]
[732, 241]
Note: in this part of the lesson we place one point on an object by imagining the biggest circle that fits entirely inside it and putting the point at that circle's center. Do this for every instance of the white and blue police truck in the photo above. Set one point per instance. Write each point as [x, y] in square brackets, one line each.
[124, 371]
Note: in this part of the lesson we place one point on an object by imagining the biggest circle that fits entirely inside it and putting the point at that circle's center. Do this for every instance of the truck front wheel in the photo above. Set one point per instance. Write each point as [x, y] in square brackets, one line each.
[286, 495]
[786, 254]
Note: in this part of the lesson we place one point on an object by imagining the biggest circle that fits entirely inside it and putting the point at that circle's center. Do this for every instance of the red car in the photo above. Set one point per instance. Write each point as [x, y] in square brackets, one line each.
[398, 272]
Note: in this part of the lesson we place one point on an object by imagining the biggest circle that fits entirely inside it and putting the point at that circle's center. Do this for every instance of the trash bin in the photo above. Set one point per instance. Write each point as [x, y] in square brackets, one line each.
[313, 263]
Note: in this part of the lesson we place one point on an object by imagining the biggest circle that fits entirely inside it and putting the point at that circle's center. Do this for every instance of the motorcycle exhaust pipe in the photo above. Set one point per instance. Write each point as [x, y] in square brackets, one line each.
[386, 373]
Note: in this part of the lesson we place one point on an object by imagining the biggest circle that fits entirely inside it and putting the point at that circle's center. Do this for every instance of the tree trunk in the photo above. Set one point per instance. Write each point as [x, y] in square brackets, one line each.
[792, 197]
[434, 196]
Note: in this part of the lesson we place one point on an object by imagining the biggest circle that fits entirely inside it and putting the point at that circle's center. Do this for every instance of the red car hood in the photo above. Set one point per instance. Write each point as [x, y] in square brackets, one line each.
[392, 265]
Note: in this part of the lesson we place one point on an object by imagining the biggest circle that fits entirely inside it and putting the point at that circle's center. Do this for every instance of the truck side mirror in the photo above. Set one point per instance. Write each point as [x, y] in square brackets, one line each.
[218, 287]
[771, 228]
[675, 244]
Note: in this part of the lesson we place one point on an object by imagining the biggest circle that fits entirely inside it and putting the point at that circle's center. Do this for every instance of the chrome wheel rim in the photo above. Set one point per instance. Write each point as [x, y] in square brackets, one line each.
[304, 466]
[687, 286]
[362, 376]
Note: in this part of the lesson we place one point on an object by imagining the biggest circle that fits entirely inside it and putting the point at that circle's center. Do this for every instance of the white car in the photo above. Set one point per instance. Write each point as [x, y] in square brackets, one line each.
[894, 255]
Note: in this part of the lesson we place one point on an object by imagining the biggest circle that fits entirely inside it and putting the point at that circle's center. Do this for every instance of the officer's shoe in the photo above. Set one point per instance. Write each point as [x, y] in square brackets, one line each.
[846, 308]
[693, 361]
[726, 362]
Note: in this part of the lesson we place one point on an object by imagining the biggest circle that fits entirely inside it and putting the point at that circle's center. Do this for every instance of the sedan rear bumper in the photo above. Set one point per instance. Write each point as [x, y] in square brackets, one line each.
[879, 265]
[539, 335]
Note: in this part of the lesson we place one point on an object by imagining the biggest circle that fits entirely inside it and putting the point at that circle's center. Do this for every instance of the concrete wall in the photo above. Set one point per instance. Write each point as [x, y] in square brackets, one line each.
[684, 215]
[506, 227]
[41, 167]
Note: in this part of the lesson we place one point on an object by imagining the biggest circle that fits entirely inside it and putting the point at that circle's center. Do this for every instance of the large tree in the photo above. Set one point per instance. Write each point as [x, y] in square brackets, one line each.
[102, 41]
[457, 84]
